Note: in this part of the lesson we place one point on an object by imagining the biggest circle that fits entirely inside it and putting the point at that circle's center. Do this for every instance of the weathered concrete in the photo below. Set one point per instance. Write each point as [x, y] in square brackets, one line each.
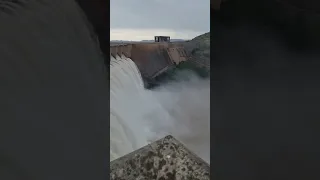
[152, 59]
[165, 159]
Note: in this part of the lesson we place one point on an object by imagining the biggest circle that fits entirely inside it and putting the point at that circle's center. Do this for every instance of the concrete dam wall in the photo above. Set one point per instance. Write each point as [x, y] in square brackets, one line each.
[153, 59]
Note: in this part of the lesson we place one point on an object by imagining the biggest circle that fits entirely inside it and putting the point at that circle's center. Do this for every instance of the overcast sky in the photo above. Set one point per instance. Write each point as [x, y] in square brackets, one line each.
[144, 19]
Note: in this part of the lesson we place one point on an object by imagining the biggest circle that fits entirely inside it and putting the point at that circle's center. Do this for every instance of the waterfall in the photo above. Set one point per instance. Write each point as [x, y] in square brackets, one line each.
[125, 79]
[139, 116]
[127, 108]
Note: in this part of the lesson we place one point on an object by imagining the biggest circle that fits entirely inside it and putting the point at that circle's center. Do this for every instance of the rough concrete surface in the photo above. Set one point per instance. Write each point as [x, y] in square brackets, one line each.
[165, 159]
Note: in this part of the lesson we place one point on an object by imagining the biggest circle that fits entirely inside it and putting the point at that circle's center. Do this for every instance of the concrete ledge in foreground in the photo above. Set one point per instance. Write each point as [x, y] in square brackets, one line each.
[165, 159]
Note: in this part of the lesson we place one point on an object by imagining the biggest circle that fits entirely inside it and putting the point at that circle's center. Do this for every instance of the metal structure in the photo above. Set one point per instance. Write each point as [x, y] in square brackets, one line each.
[162, 39]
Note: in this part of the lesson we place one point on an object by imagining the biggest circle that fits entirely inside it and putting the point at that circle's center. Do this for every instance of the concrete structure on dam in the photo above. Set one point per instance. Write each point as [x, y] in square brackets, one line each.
[164, 159]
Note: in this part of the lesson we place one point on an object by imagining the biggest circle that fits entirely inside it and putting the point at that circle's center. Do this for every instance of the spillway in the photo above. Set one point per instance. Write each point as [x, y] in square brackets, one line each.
[132, 108]
[125, 79]
[139, 116]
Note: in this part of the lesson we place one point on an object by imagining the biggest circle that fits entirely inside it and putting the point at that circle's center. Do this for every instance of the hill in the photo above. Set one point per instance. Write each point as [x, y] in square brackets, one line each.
[199, 48]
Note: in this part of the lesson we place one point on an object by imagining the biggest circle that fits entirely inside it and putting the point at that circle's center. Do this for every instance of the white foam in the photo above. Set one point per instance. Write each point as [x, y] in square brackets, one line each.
[138, 115]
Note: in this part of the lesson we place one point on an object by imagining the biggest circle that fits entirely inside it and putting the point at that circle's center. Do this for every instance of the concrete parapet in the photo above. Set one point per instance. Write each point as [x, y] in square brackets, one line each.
[165, 159]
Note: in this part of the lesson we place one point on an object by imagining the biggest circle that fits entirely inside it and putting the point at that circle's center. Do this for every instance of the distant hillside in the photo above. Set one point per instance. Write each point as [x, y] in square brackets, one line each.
[202, 45]
[171, 40]
[143, 41]
[199, 47]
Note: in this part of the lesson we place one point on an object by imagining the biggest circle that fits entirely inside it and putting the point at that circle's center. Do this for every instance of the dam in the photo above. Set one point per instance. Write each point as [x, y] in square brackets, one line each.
[152, 59]
[135, 148]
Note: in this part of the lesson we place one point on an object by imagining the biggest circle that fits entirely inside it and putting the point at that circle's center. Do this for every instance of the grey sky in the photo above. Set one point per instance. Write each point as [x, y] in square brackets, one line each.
[171, 15]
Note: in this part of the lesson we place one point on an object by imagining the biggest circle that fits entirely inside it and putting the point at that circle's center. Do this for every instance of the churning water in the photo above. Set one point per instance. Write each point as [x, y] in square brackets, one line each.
[139, 116]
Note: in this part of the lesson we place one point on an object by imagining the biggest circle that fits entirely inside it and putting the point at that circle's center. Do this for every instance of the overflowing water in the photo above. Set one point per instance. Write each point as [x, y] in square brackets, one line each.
[139, 116]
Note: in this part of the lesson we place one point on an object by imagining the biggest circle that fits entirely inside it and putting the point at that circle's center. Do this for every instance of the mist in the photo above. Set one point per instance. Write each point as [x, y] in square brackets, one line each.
[139, 116]
[187, 101]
